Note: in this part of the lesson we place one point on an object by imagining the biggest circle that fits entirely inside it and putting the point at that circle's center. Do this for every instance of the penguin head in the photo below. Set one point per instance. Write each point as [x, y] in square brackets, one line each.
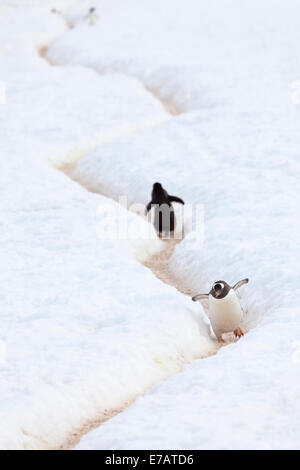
[157, 186]
[220, 289]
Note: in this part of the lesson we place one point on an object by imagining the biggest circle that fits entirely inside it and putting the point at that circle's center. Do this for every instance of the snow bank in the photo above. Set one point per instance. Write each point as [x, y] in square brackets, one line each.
[88, 108]
[84, 327]
[21, 34]
[75, 110]
[230, 66]
[78, 342]
[245, 397]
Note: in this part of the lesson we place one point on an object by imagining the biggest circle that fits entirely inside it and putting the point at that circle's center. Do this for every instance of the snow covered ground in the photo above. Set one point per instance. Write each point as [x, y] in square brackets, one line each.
[86, 328]
[80, 335]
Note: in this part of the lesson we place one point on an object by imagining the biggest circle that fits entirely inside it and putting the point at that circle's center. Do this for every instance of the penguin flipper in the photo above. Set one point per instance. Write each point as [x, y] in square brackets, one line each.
[240, 284]
[176, 199]
[200, 296]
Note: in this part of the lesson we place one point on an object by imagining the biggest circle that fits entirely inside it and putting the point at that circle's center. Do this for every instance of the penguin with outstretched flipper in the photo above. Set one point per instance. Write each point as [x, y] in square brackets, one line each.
[225, 312]
[164, 217]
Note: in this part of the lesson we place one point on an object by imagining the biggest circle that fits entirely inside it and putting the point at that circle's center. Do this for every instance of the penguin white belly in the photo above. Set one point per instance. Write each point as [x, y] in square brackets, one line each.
[225, 314]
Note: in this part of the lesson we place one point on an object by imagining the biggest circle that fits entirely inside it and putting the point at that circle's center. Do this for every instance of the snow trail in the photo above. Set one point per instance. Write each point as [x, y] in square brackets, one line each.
[159, 265]
[77, 434]
[230, 132]
[170, 105]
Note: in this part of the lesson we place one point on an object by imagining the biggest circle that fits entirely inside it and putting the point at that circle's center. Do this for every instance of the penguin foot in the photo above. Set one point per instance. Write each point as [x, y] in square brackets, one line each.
[238, 332]
[220, 339]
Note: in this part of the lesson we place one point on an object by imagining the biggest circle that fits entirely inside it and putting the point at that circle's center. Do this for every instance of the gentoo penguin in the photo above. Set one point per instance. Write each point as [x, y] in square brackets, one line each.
[164, 218]
[92, 16]
[225, 312]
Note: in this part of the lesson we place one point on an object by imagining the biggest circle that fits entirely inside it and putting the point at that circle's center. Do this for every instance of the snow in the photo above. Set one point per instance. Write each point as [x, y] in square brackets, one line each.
[91, 109]
[98, 109]
[237, 399]
[229, 68]
[85, 327]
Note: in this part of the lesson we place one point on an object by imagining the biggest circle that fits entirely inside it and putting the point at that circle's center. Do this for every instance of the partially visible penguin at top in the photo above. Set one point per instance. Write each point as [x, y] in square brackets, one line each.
[92, 16]
[164, 217]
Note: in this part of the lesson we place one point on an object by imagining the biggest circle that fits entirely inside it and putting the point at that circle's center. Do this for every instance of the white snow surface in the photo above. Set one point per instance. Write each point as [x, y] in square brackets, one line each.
[85, 328]
[228, 68]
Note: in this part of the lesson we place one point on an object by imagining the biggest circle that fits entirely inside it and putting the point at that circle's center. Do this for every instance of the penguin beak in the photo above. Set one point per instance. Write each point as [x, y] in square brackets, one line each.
[218, 293]
[200, 296]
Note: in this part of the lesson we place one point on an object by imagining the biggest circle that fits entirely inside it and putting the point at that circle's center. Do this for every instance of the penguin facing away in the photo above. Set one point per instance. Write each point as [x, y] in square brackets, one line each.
[164, 217]
[225, 311]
